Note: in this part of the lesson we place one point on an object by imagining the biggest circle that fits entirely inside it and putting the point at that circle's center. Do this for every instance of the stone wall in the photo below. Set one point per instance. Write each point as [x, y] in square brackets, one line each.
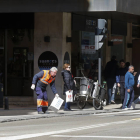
[57, 26]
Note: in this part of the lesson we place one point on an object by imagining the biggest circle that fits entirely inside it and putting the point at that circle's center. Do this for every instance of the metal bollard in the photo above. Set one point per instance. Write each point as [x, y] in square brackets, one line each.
[1, 95]
[6, 107]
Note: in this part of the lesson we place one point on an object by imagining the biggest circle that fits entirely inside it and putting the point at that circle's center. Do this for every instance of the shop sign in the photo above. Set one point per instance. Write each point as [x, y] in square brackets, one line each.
[90, 25]
[117, 40]
[67, 58]
[88, 38]
[85, 42]
[47, 60]
[90, 22]
[88, 49]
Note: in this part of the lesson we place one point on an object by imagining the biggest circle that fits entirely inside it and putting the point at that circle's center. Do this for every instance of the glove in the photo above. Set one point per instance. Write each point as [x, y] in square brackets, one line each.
[33, 86]
[56, 95]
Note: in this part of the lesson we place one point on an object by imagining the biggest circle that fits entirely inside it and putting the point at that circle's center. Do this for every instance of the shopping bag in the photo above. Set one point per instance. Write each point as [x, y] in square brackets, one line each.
[69, 96]
[114, 88]
[56, 104]
[96, 90]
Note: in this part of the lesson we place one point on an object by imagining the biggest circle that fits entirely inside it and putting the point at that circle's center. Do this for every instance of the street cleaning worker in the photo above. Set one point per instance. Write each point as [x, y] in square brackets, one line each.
[40, 81]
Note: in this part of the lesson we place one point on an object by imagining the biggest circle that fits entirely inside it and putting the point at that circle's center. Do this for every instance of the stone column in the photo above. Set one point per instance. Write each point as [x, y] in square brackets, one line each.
[128, 51]
[57, 26]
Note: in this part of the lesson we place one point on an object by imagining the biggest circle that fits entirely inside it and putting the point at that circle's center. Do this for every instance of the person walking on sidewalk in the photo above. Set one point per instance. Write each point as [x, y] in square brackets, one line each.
[69, 83]
[120, 79]
[129, 90]
[138, 99]
[110, 77]
[42, 80]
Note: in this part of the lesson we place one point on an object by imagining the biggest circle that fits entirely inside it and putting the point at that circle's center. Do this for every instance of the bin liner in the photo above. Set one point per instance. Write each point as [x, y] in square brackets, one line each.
[56, 104]
[102, 93]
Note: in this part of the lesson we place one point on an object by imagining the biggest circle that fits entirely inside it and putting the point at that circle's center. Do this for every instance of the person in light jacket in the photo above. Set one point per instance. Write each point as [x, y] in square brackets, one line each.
[138, 99]
[69, 83]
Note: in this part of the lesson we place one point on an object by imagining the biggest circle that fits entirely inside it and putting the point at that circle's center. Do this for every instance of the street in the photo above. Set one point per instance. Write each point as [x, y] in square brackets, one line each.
[117, 125]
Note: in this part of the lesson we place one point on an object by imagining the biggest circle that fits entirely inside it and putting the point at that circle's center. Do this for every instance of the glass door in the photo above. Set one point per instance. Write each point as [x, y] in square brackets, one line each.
[19, 62]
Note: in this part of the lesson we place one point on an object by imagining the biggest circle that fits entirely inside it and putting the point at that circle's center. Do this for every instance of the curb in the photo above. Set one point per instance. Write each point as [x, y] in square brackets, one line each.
[41, 116]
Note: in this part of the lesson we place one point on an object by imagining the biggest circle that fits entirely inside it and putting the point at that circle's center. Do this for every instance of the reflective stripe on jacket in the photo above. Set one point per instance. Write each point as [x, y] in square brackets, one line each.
[47, 79]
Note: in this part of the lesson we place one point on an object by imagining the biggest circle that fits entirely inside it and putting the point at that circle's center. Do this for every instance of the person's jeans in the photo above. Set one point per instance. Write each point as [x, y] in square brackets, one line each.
[110, 84]
[67, 105]
[137, 100]
[111, 97]
[122, 91]
[129, 97]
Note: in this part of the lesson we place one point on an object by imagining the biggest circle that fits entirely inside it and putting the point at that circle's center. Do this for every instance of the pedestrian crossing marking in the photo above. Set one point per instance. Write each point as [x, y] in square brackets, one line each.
[136, 119]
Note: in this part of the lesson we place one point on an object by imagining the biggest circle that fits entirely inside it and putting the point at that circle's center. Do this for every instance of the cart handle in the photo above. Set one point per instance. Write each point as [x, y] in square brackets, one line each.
[79, 77]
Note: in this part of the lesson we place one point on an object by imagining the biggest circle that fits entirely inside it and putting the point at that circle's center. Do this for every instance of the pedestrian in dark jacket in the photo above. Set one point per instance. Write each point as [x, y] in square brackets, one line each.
[120, 79]
[69, 83]
[110, 77]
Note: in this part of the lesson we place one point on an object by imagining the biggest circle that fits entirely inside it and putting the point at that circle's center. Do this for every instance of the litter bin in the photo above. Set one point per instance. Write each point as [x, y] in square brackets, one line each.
[1, 95]
[102, 93]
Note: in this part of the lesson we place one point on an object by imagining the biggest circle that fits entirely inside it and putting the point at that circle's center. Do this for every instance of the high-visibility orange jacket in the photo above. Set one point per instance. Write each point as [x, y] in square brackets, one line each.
[47, 78]
[43, 78]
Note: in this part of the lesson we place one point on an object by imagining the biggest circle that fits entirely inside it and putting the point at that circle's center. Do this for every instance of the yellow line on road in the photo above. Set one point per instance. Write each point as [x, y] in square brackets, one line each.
[136, 119]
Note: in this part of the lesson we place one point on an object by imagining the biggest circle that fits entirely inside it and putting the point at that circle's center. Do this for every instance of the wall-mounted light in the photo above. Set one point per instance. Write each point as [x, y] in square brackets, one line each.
[68, 39]
[46, 38]
[129, 45]
[110, 43]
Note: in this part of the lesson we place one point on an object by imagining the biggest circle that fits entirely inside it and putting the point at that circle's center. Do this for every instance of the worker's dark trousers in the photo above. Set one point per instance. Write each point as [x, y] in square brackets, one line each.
[42, 100]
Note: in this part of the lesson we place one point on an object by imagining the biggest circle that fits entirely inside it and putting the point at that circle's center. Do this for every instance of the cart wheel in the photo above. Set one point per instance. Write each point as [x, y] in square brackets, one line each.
[81, 104]
[97, 104]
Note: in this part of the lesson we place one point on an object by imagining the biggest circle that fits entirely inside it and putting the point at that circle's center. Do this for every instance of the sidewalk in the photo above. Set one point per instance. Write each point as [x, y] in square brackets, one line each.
[17, 113]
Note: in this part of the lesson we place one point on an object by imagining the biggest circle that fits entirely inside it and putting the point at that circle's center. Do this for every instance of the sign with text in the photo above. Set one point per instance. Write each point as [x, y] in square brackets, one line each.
[117, 40]
[88, 43]
[47, 60]
[90, 25]
[88, 49]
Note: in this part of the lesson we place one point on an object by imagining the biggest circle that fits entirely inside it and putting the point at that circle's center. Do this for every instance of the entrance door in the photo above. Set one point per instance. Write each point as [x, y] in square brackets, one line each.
[19, 62]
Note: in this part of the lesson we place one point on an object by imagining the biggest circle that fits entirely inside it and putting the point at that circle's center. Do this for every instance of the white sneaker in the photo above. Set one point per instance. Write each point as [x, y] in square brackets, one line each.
[125, 109]
[133, 105]
[131, 108]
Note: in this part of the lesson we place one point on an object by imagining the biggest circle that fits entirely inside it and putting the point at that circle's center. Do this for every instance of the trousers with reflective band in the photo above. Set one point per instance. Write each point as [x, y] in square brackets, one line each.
[42, 100]
[47, 78]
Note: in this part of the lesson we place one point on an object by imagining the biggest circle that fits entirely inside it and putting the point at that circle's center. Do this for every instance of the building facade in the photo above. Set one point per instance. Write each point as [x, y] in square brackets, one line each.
[37, 35]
